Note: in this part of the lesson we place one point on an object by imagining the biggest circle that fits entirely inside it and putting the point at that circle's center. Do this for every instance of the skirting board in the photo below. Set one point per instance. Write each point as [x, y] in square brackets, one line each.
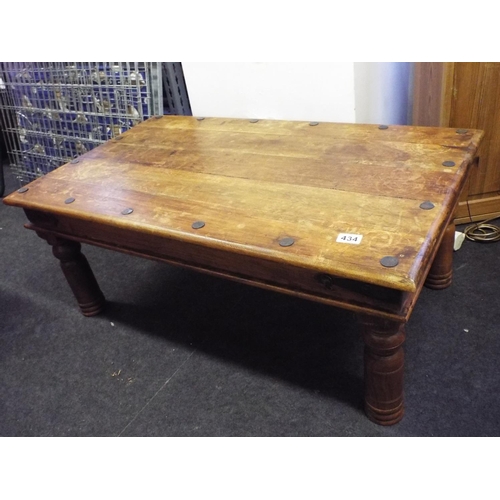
[478, 210]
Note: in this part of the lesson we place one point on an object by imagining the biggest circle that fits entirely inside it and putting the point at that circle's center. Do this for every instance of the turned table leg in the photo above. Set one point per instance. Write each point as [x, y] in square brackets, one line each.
[384, 366]
[78, 273]
[441, 271]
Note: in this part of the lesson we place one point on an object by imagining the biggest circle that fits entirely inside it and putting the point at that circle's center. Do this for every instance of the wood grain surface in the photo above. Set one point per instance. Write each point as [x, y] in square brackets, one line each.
[465, 95]
[253, 184]
[476, 103]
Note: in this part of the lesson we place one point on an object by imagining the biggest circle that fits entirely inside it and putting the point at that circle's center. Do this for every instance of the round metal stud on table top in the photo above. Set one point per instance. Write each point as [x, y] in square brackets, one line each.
[253, 120]
[448, 163]
[383, 127]
[462, 131]
[119, 138]
[127, 211]
[200, 118]
[313, 124]
[389, 261]
[427, 205]
[22, 190]
[69, 200]
[76, 160]
[286, 242]
[198, 224]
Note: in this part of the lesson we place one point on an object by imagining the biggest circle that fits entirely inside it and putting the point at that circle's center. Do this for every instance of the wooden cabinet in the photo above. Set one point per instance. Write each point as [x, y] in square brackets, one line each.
[465, 95]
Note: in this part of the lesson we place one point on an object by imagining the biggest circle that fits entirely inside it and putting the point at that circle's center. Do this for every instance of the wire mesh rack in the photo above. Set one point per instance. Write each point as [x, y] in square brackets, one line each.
[52, 112]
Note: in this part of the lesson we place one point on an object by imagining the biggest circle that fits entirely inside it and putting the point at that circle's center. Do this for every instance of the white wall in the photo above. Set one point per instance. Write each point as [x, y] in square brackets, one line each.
[288, 91]
[382, 92]
[330, 91]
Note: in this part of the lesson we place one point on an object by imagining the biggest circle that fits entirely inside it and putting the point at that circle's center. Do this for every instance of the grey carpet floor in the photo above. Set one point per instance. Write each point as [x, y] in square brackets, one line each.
[178, 353]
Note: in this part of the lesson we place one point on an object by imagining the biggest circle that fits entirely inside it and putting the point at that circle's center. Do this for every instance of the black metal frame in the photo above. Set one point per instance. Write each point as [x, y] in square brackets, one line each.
[2, 181]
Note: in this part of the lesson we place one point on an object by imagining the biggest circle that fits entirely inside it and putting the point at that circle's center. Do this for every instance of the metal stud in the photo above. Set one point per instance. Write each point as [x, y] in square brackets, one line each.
[389, 261]
[383, 127]
[462, 131]
[427, 205]
[286, 242]
[127, 211]
[448, 163]
[22, 190]
[199, 118]
[76, 160]
[198, 224]
[119, 138]
[313, 124]
[326, 280]
[69, 200]
[253, 120]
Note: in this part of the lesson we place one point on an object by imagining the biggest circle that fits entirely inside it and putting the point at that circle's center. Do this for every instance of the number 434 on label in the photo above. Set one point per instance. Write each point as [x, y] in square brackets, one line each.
[352, 239]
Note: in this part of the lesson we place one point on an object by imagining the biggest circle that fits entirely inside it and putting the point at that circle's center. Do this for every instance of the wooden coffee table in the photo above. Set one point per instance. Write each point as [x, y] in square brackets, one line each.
[354, 216]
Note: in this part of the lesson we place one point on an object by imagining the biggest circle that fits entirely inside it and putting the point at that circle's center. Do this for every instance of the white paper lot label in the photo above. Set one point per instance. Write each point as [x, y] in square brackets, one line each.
[352, 239]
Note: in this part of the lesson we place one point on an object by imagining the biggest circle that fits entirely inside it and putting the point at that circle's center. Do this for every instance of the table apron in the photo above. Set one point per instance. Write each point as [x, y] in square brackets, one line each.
[277, 276]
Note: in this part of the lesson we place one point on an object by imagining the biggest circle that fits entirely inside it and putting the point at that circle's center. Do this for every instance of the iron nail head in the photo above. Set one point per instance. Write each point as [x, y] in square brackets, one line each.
[76, 160]
[69, 200]
[389, 261]
[118, 138]
[200, 118]
[383, 127]
[198, 224]
[325, 279]
[253, 120]
[313, 124]
[127, 211]
[462, 131]
[448, 163]
[427, 205]
[286, 242]
[22, 190]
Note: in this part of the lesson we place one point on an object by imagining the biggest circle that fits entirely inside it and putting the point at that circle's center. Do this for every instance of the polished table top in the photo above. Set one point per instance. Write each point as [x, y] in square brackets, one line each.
[329, 197]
